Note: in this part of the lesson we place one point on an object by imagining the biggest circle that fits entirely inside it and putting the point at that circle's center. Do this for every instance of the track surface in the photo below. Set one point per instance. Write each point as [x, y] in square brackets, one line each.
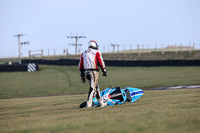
[176, 87]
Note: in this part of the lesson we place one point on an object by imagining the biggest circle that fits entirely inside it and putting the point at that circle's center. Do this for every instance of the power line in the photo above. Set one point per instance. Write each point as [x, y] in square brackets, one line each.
[46, 36]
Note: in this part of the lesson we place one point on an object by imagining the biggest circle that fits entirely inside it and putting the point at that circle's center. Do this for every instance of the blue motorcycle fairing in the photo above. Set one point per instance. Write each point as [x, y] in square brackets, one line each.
[114, 96]
[135, 93]
[111, 101]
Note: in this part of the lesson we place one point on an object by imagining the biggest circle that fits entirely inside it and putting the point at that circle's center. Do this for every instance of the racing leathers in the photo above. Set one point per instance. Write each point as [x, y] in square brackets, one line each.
[88, 66]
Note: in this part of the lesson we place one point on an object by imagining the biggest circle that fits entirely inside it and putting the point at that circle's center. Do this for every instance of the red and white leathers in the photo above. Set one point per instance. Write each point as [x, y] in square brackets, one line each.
[90, 59]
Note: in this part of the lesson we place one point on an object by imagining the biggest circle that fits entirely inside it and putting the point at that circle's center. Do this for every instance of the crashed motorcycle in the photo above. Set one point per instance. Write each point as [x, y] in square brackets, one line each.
[115, 96]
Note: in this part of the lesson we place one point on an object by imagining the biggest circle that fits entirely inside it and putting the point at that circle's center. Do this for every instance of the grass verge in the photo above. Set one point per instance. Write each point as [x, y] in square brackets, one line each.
[59, 80]
[156, 111]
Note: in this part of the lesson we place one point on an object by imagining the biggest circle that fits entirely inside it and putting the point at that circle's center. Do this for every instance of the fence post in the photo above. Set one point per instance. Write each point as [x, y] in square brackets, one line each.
[193, 46]
[29, 53]
[142, 47]
[181, 47]
[64, 52]
[138, 49]
[42, 52]
[130, 47]
[117, 48]
[67, 51]
[162, 49]
[175, 48]
[190, 48]
[155, 47]
[54, 52]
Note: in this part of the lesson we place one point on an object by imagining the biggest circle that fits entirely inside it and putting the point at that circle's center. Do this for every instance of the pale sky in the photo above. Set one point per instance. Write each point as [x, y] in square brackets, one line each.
[46, 23]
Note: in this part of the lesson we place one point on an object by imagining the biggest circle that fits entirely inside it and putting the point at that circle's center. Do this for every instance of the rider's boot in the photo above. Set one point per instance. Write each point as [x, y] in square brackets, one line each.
[102, 103]
[89, 103]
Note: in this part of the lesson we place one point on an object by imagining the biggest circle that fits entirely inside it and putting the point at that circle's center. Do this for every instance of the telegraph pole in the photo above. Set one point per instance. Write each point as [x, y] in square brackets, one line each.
[115, 45]
[19, 45]
[76, 43]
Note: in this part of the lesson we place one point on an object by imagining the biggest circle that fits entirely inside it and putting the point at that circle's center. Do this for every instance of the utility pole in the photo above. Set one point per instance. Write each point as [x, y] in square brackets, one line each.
[115, 45]
[19, 44]
[76, 43]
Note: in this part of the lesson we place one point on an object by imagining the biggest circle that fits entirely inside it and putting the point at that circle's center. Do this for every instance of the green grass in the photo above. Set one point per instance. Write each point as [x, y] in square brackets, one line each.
[156, 111]
[59, 80]
[169, 111]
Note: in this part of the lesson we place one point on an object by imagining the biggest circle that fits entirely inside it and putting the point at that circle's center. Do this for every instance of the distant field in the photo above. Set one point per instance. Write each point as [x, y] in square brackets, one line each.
[59, 80]
[145, 54]
[168, 111]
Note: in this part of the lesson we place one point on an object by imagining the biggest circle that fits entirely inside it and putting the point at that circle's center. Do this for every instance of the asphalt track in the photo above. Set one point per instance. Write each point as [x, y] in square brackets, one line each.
[176, 87]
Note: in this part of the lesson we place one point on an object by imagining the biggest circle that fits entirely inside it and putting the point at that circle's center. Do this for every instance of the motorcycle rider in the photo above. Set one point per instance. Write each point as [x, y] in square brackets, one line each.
[88, 66]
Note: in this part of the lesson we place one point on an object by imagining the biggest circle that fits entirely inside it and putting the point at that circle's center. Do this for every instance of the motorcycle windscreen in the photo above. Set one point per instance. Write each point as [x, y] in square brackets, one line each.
[128, 95]
[117, 94]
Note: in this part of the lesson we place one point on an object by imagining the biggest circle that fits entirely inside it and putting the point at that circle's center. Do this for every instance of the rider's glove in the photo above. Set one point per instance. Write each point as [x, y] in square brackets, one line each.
[104, 72]
[83, 79]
